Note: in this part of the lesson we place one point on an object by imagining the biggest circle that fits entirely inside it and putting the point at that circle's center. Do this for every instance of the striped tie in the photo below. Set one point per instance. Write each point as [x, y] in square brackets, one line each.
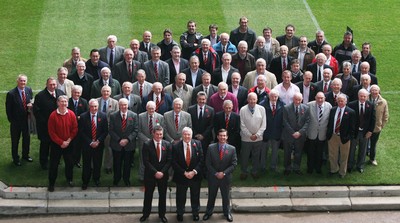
[188, 154]
[23, 99]
[93, 128]
[123, 122]
[226, 122]
[176, 122]
[221, 152]
[151, 124]
[320, 113]
[337, 124]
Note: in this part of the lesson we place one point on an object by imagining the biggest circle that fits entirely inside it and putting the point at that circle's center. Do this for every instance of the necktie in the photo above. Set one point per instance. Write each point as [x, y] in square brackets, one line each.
[123, 122]
[105, 83]
[226, 122]
[188, 154]
[354, 69]
[201, 113]
[157, 102]
[93, 128]
[221, 152]
[111, 62]
[273, 109]
[76, 107]
[320, 113]
[23, 99]
[53, 94]
[130, 70]
[158, 152]
[141, 91]
[337, 124]
[335, 96]
[176, 122]
[326, 87]
[223, 49]
[297, 114]
[156, 71]
[319, 74]
[361, 115]
[151, 124]
[104, 107]
[205, 58]
[284, 64]
[206, 90]
[147, 47]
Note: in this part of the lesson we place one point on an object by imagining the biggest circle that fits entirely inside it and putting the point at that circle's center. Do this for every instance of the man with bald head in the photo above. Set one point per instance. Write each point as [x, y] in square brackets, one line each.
[138, 55]
[281, 63]
[163, 100]
[146, 44]
[224, 46]
[217, 99]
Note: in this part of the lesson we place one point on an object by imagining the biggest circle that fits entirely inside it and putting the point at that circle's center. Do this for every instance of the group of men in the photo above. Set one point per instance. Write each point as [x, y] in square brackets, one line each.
[176, 102]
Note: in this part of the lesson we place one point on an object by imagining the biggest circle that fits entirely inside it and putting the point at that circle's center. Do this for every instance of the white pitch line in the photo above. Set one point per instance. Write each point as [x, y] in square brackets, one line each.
[311, 15]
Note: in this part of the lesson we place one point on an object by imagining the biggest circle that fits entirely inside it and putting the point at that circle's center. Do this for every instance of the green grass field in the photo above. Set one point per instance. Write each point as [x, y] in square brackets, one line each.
[37, 36]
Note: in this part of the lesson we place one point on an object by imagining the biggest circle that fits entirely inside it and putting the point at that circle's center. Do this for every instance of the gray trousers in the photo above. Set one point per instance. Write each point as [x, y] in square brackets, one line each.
[252, 149]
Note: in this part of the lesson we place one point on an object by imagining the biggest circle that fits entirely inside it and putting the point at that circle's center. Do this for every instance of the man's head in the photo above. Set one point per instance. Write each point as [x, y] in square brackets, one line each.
[51, 84]
[147, 36]
[320, 36]
[286, 77]
[105, 73]
[252, 99]
[128, 55]
[307, 77]
[242, 47]
[127, 88]
[375, 90]
[327, 74]
[194, 63]
[260, 66]
[243, 23]
[176, 52]
[341, 100]
[157, 88]
[364, 66]
[177, 104]
[111, 41]
[167, 35]
[75, 53]
[76, 91]
[155, 53]
[346, 68]
[363, 95]
[224, 38]
[62, 73]
[62, 102]
[205, 45]
[94, 56]
[228, 106]
[261, 82]
[180, 79]
[158, 133]
[366, 48]
[365, 80]
[222, 136]
[141, 76]
[187, 134]
[347, 38]
[151, 107]
[222, 89]
[320, 98]
[93, 105]
[260, 42]
[297, 98]
[303, 42]
[206, 79]
[327, 50]
[226, 59]
[191, 27]
[213, 29]
[106, 92]
[201, 98]
[123, 105]
[295, 65]
[273, 96]
[22, 80]
[134, 44]
[235, 79]
[289, 31]
[336, 85]
[283, 50]
[80, 67]
[321, 59]
[267, 33]
[355, 56]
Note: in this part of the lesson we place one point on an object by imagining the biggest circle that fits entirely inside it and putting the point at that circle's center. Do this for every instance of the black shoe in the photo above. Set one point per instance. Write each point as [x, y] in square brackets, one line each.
[163, 219]
[97, 183]
[143, 218]
[196, 217]
[51, 188]
[17, 163]
[28, 158]
[70, 183]
[286, 172]
[179, 217]
[206, 216]
[84, 186]
[229, 217]
[78, 165]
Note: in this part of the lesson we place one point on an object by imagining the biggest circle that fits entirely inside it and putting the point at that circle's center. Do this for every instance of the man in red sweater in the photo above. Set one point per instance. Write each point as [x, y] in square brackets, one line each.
[63, 127]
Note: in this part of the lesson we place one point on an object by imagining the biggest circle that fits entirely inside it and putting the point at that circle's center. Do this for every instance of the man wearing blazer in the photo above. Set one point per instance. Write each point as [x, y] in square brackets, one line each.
[179, 89]
[123, 132]
[141, 87]
[193, 72]
[135, 102]
[295, 124]
[146, 45]
[71, 63]
[176, 64]
[365, 124]
[221, 161]
[163, 101]
[157, 156]
[175, 120]
[93, 131]
[317, 68]
[147, 121]
[208, 58]
[239, 91]
[307, 88]
[280, 63]
[105, 80]
[111, 54]
[341, 129]
[138, 55]
[80, 77]
[62, 82]
[316, 132]
[18, 104]
[187, 162]
[224, 72]
[156, 69]
[205, 86]
[127, 69]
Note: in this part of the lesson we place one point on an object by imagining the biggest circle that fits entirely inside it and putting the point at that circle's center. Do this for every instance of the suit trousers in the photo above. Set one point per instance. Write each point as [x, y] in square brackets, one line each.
[374, 139]
[77, 149]
[149, 186]
[362, 143]
[122, 164]
[92, 159]
[44, 152]
[181, 191]
[314, 155]
[252, 149]
[224, 186]
[55, 156]
[274, 144]
[108, 158]
[15, 132]
[336, 147]
[296, 146]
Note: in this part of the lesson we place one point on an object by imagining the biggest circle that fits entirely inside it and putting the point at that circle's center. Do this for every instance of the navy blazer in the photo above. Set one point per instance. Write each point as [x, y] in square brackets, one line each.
[85, 128]
[150, 161]
[15, 110]
[217, 75]
[369, 116]
[81, 108]
[274, 122]
[165, 103]
[233, 127]
[203, 126]
[179, 161]
[241, 95]
[276, 67]
[347, 124]
[189, 80]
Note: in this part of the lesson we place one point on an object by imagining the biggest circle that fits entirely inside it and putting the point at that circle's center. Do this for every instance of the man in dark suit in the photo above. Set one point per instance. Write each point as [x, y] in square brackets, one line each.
[208, 58]
[18, 106]
[221, 161]
[230, 121]
[111, 54]
[156, 69]
[145, 44]
[80, 77]
[239, 91]
[78, 105]
[281, 63]
[202, 120]
[340, 131]
[94, 64]
[123, 132]
[106, 79]
[224, 72]
[193, 72]
[318, 67]
[187, 161]
[45, 104]
[331, 96]
[307, 88]
[272, 134]
[163, 101]
[365, 124]
[289, 39]
[317, 44]
[259, 51]
[176, 63]
[325, 85]
[205, 86]
[93, 129]
[127, 69]
[138, 55]
[157, 156]
[135, 103]
[365, 70]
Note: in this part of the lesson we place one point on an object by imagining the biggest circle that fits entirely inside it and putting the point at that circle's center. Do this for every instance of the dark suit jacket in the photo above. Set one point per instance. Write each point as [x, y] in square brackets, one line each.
[118, 54]
[150, 161]
[165, 103]
[121, 74]
[163, 72]
[211, 90]
[135, 103]
[82, 106]
[214, 164]
[86, 82]
[95, 70]
[369, 116]
[179, 161]
[274, 122]
[249, 64]
[189, 76]
[241, 96]
[217, 75]
[313, 90]
[320, 86]
[354, 93]
[183, 64]
[44, 105]
[213, 60]
[233, 127]
[130, 132]
[313, 69]
[142, 48]
[347, 124]
[16, 113]
[204, 125]
[276, 67]
[85, 128]
[331, 99]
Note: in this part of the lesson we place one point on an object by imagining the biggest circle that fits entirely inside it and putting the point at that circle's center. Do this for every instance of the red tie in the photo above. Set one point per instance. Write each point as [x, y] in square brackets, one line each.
[141, 91]
[157, 103]
[52, 94]
[23, 99]
[156, 71]
[151, 124]
[130, 70]
[326, 87]
[205, 58]
[273, 110]
[158, 152]
[226, 122]
[221, 152]
[123, 122]
[335, 99]
[176, 122]
[337, 124]
[93, 128]
[284, 65]
[188, 154]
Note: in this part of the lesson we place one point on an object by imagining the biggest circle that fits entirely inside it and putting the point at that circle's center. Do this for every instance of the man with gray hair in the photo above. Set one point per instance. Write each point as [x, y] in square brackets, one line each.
[126, 70]
[71, 63]
[317, 44]
[224, 46]
[318, 67]
[111, 54]
[179, 89]
[242, 60]
[260, 51]
[176, 64]
[62, 82]
[141, 87]
[105, 80]
[281, 63]
[80, 77]
[365, 69]
[156, 69]
[138, 55]
[217, 99]
[208, 58]
[175, 121]
[250, 79]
